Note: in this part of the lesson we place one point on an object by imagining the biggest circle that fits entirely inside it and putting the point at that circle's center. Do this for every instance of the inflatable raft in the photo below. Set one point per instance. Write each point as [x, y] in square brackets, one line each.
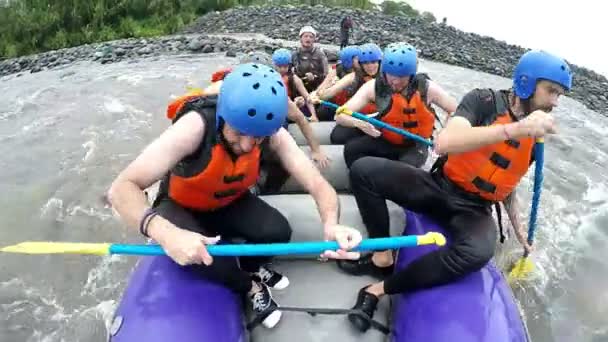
[164, 302]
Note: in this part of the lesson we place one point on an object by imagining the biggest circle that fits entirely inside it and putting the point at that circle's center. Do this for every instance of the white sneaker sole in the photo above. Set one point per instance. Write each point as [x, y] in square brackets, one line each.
[272, 319]
[282, 284]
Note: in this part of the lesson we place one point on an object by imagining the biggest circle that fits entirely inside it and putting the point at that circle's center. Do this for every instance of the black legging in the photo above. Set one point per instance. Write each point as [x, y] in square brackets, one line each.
[340, 135]
[325, 113]
[470, 226]
[248, 217]
[365, 145]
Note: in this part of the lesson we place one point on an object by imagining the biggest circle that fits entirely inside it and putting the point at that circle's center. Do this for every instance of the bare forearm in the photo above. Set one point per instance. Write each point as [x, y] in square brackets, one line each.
[336, 88]
[129, 201]
[327, 81]
[472, 138]
[511, 205]
[307, 132]
[311, 109]
[327, 202]
[346, 120]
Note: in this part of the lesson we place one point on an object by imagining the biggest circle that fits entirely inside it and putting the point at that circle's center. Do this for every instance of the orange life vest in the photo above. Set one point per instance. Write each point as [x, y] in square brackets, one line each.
[406, 112]
[177, 104]
[220, 74]
[491, 172]
[345, 94]
[210, 178]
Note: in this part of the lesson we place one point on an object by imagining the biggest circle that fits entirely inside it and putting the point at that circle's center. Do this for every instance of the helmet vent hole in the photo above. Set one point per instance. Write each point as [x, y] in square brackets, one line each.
[255, 66]
[256, 86]
[251, 112]
[400, 64]
[391, 62]
[274, 91]
[563, 67]
[246, 74]
[269, 116]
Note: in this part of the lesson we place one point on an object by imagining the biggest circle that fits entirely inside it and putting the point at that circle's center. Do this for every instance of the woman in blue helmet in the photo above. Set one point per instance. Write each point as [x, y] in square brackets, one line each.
[281, 60]
[349, 60]
[368, 57]
[207, 160]
[486, 149]
[403, 98]
[330, 89]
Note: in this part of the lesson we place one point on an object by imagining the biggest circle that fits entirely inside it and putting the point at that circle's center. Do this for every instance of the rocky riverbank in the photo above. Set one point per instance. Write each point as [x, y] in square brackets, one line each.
[435, 42]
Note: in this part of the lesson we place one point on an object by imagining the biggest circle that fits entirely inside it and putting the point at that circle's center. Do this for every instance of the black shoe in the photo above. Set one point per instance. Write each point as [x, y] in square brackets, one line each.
[365, 266]
[271, 278]
[367, 304]
[264, 306]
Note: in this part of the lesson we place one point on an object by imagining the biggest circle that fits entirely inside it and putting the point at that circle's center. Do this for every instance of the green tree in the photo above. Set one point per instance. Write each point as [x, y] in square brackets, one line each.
[31, 26]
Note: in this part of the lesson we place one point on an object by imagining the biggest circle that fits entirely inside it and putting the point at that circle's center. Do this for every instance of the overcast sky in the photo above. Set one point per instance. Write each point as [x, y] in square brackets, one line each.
[575, 30]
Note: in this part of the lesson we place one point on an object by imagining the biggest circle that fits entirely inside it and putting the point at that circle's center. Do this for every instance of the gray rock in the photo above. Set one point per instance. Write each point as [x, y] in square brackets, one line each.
[195, 45]
[208, 48]
[435, 42]
[145, 50]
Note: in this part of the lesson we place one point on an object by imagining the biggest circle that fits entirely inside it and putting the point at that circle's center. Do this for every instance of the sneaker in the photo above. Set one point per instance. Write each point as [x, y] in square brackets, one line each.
[271, 278]
[365, 266]
[367, 303]
[264, 306]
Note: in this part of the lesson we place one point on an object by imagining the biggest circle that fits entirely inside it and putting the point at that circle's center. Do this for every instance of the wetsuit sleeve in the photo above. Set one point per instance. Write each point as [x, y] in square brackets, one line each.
[470, 108]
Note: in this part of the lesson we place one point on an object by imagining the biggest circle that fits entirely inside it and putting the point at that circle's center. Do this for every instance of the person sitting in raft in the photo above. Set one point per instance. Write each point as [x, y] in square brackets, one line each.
[208, 159]
[309, 61]
[293, 114]
[281, 59]
[349, 60]
[404, 100]
[272, 173]
[347, 87]
[486, 148]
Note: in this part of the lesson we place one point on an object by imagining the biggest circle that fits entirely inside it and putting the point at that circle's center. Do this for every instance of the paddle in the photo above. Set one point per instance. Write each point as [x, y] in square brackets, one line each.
[524, 266]
[313, 247]
[381, 124]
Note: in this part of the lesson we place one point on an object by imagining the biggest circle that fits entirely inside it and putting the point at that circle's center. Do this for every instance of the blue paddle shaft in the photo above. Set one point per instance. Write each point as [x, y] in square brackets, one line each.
[381, 124]
[539, 156]
[275, 248]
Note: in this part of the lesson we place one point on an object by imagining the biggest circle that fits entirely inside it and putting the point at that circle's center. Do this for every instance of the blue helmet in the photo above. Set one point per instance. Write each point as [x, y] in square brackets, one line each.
[281, 57]
[253, 100]
[347, 54]
[537, 65]
[400, 59]
[370, 52]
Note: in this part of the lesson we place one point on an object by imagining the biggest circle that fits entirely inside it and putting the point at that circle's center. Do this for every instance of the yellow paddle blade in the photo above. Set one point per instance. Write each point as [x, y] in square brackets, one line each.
[31, 247]
[194, 90]
[431, 238]
[522, 268]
